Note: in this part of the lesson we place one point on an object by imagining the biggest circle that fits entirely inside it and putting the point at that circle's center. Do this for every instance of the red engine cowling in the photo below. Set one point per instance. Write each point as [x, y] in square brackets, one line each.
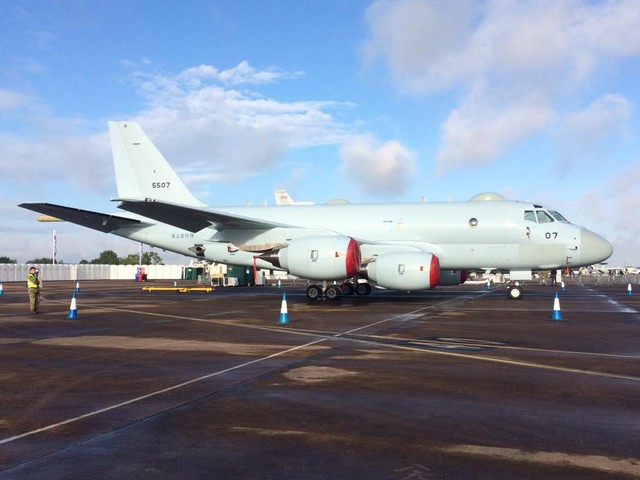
[318, 258]
[405, 270]
[453, 277]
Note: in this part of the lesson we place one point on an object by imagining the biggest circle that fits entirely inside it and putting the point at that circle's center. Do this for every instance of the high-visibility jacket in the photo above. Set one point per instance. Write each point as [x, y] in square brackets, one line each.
[32, 281]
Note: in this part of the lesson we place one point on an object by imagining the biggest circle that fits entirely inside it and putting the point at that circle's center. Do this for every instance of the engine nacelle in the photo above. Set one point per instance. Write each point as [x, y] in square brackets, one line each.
[453, 277]
[318, 258]
[405, 270]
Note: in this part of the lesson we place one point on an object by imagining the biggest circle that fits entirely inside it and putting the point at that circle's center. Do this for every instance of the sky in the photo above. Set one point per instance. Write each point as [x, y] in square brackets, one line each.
[371, 101]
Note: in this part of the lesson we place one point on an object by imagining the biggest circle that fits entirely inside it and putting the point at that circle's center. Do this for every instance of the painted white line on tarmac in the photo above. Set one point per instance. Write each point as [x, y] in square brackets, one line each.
[195, 380]
[159, 392]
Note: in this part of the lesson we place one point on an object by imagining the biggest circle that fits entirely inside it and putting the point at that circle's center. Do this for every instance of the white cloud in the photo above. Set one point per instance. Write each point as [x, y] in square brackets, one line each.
[207, 130]
[203, 125]
[512, 65]
[580, 131]
[385, 169]
[80, 162]
[10, 100]
[243, 73]
[611, 208]
[476, 134]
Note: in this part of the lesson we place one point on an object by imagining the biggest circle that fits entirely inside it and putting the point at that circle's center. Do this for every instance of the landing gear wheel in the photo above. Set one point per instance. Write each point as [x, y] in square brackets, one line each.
[363, 289]
[332, 293]
[515, 293]
[348, 288]
[314, 291]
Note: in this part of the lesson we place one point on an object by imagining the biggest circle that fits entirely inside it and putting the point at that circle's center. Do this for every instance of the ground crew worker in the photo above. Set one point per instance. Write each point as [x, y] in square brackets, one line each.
[33, 286]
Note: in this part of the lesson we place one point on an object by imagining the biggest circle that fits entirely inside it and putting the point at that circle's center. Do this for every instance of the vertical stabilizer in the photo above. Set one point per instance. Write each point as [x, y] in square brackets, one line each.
[141, 170]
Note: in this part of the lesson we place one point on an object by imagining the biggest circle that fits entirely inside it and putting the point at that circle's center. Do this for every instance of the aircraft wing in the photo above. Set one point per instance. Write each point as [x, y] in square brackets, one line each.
[193, 219]
[103, 222]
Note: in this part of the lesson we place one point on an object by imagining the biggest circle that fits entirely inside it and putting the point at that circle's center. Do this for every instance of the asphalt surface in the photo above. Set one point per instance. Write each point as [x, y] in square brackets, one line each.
[458, 382]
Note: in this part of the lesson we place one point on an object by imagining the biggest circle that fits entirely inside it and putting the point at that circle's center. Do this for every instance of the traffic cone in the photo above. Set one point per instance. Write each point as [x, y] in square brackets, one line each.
[73, 310]
[629, 289]
[488, 284]
[77, 286]
[557, 314]
[279, 283]
[284, 314]
[562, 286]
[1, 289]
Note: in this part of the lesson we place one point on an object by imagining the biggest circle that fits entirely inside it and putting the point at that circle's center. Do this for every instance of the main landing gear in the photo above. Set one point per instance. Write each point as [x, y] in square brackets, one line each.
[333, 292]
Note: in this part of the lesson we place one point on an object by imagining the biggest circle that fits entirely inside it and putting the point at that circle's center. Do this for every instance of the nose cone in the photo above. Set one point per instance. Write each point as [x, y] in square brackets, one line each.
[595, 249]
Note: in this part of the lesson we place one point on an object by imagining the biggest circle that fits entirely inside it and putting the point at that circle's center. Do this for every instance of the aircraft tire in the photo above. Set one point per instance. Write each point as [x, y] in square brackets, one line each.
[515, 293]
[314, 291]
[347, 288]
[332, 293]
[363, 289]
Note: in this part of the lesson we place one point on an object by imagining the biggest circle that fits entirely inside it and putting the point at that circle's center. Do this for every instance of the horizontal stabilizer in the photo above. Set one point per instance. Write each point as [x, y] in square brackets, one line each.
[103, 222]
[193, 219]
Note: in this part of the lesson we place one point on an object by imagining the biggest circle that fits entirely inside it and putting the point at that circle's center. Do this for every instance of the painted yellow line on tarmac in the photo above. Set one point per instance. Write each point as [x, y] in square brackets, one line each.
[480, 344]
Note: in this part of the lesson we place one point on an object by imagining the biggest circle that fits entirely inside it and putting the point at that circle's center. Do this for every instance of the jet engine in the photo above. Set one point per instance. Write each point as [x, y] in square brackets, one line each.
[198, 249]
[318, 258]
[453, 277]
[405, 270]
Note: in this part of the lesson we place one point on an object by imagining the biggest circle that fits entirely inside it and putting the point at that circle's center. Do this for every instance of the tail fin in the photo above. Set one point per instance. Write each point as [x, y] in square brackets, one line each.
[141, 170]
[282, 197]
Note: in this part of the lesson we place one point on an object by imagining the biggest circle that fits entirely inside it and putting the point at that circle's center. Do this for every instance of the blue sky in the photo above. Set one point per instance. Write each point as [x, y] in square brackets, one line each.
[373, 101]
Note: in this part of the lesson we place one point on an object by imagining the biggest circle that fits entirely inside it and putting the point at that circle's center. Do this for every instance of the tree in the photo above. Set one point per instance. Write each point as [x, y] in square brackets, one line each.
[148, 258]
[42, 260]
[8, 260]
[151, 258]
[107, 257]
[131, 259]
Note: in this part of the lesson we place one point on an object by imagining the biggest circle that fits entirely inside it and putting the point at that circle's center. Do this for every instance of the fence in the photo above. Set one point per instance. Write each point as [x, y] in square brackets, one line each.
[10, 272]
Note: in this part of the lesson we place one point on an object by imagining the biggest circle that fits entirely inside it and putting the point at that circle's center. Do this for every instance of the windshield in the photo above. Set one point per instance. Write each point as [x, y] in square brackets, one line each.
[558, 217]
[543, 216]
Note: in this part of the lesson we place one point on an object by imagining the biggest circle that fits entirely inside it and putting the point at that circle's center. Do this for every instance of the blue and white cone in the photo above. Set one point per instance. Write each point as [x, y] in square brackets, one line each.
[77, 286]
[1, 289]
[488, 284]
[73, 310]
[629, 290]
[279, 284]
[284, 314]
[557, 314]
[562, 286]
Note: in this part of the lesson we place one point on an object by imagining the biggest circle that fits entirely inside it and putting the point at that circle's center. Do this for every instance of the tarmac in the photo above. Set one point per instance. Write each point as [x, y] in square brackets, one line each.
[455, 383]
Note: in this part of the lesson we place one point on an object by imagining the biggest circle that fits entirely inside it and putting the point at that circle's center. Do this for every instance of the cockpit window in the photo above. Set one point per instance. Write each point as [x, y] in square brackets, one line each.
[543, 217]
[529, 216]
[558, 217]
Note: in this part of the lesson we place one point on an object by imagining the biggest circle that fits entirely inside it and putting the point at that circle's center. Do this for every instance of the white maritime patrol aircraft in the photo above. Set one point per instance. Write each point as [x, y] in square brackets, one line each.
[401, 246]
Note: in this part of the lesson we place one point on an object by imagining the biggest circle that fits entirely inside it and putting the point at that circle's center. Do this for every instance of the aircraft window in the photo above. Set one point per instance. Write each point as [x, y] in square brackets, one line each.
[529, 216]
[543, 217]
[558, 217]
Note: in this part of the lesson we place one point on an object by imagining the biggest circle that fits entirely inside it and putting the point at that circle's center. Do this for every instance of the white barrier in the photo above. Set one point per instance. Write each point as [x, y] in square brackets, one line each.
[14, 272]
